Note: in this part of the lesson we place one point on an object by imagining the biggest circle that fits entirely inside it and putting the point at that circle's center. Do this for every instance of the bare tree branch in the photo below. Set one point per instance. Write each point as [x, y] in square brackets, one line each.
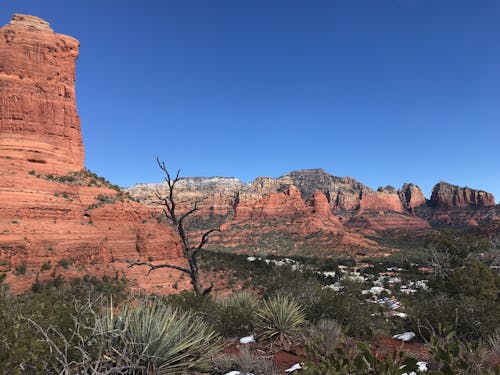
[153, 267]
[204, 239]
[190, 252]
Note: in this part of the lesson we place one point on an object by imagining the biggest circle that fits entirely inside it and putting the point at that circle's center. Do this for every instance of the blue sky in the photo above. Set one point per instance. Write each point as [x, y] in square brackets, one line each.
[385, 91]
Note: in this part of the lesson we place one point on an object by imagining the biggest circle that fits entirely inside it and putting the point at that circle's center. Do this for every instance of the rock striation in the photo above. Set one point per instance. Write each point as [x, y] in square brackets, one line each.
[333, 213]
[54, 214]
[39, 122]
[445, 195]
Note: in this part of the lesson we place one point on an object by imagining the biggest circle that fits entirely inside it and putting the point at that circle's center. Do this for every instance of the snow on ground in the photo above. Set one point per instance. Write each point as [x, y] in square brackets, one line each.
[407, 336]
[247, 339]
[294, 368]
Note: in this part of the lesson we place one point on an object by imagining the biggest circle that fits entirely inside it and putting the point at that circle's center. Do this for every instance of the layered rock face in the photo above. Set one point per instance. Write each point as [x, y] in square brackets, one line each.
[311, 210]
[39, 123]
[302, 212]
[52, 220]
[445, 195]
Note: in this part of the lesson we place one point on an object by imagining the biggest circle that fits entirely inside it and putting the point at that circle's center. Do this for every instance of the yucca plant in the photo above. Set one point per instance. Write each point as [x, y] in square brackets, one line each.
[236, 314]
[163, 340]
[279, 319]
[242, 299]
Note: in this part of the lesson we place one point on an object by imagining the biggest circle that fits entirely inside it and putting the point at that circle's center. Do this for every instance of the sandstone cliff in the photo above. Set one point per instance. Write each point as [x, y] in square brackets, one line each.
[56, 217]
[445, 195]
[39, 123]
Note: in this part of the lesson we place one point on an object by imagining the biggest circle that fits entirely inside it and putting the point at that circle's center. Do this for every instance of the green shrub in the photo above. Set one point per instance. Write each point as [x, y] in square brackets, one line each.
[64, 263]
[165, 340]
[280, 319]
[466, 301]
[50, 304]
[235, 314]
[21, 269]
[345, 358]
[46, 266]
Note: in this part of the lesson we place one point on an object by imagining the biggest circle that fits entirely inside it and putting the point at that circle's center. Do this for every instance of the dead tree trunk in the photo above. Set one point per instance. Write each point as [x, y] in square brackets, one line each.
[189, 251]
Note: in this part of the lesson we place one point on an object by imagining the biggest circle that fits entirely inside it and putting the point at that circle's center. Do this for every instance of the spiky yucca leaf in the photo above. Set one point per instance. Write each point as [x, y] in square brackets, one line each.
[280, 319]
[235, 314]
[165, 340]
[242, 299]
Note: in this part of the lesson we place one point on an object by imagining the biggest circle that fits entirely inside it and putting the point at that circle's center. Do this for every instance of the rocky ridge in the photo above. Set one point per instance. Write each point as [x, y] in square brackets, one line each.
[338, 213]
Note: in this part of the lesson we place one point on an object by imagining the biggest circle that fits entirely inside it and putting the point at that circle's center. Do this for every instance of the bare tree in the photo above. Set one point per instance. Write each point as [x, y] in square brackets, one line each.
[189, 251]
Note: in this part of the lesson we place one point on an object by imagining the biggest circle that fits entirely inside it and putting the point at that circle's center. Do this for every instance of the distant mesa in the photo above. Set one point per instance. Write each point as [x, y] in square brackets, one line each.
[445, 195]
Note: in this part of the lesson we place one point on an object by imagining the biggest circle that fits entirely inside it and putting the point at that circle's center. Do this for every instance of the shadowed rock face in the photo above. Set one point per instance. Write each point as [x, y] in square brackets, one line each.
[39, 123]
[445, 195]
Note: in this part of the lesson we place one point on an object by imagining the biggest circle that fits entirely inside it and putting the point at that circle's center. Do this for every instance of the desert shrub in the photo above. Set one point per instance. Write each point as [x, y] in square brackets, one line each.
[46, 266]
[344, 357]
[280, 319]
[21, 269]
[246, 363]
[494, 343]
[450, 355]
[50, 304]
[64, 263]
[163, 339]
[449, 250]
[326, 333]
[347, 307]
[235, 315]
[473, 319]
[466, 301]
[187, 301]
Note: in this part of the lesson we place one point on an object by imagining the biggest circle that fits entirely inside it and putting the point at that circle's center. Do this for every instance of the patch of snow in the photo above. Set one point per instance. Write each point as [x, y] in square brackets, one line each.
[329, 273]
[407, 336]
[376, 290]
[422, 367]
[247, 339]
[401, 315]
[294, 368]
[335, 287]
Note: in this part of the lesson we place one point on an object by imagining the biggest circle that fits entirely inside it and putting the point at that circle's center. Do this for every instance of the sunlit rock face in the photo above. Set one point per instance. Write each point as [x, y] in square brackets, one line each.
[51, 211]
[39, 122]
[445, 195]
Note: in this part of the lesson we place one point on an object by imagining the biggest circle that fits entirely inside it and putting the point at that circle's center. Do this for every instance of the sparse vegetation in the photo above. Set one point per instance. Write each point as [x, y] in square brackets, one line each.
[21, 269]
[64, 263]
[46, 266]
[280, 319]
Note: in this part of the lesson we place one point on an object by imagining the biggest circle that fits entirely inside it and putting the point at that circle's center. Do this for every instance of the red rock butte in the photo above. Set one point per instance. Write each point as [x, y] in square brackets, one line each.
[52, 211]
[39, 122]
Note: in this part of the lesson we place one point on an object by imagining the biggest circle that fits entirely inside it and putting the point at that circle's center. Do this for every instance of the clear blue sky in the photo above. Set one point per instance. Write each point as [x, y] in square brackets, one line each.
[385, 91]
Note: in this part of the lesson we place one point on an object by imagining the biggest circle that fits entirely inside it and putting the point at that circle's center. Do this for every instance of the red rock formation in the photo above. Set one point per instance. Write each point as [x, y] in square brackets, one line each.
[276, 204]
[39, 123]
[445, 195]
[382, 222]
[77, 218]
[380, 201]
[412, 197]
[320, 205]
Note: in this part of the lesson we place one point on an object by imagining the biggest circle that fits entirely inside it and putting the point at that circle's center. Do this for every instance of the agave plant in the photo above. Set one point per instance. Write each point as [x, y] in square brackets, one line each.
[163, 340]
[279, 319]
